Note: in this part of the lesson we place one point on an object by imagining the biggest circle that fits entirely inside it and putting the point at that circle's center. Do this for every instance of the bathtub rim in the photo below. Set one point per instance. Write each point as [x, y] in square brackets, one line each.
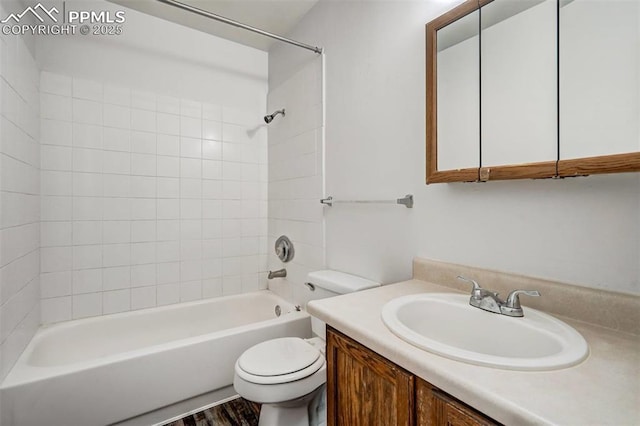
[29, 374]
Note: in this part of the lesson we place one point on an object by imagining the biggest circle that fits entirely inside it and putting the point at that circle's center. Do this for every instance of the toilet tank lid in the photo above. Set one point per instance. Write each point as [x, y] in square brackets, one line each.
[339, 282]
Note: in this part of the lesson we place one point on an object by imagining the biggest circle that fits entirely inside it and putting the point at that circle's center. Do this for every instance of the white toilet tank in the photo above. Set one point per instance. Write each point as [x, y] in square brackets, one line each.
[328, 283]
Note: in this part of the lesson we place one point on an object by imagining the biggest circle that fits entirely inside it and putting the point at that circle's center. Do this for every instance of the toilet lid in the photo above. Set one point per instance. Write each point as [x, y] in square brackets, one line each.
[278, 357]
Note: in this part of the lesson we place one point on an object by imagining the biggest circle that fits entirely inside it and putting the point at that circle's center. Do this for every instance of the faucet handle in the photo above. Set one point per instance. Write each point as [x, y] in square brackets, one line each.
[512, 306]
[477, 291]
[513, 299]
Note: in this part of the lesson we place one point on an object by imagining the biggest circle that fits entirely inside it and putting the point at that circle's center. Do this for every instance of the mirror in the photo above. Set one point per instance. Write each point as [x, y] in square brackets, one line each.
[599, 77]
[518, 75]
[458, 88]
[558, 92]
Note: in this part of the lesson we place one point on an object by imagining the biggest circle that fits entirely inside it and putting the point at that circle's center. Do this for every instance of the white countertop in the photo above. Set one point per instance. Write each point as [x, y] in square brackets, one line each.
[604, 389]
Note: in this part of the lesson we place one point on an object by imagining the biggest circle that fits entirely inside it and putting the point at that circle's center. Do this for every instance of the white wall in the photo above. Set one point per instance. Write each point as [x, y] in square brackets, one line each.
[296, 178]
[154, 168]
[19, 195]
[583, 230]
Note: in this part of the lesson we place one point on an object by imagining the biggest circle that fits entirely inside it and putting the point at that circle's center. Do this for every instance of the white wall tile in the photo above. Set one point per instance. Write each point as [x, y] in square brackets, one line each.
[55, 284]
[116, 186]
[168, 145]
[55, 132]
[143, 297]
[132, 199]
[116, 255]
[190, 188]
[55, 107]
[168, 230]
[211, 150]
[143, 164]
[211, 169]
[86, 257]
[190, 168]
[87, 208]
[168, 166]
[168, 294]
[117, 95]
[143, 100]
[56, 309]
[87, 281]
[143, 253]
[55, 158]
[143, 120]
[87, 160]
[116, 301]
[168, 187]
[168, 104]
[190, 290]
[211, 112]
[168, 273]
[167, 251]
[168, 124]
[143, 275]
[87, 89]
[55, 259]
[116, 162]
[168, 208]
[117, 139]
[55, 234]
[143, 231]
[87, 135]
[117, 116]
[87, 232]
[115, 232]
[116, 278]
[87, 305]
[87, 112]
[87, 184]
[117, 209]
[190, 108]
[190, 147]
[55, 208]
[55, 183]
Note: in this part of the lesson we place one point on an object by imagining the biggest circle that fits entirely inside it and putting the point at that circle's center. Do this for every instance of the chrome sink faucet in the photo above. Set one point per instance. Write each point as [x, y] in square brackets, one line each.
[490, 301]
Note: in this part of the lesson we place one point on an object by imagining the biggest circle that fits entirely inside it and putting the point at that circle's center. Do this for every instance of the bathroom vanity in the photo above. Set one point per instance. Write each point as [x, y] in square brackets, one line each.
[364, 388]
[375, 377]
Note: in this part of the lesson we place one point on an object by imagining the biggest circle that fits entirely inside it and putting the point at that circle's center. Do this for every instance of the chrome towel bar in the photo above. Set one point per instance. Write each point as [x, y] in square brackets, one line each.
[406, 201]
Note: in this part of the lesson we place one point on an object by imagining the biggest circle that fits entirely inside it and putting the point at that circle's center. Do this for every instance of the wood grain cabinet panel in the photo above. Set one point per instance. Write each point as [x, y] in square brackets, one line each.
[436, 408]
[363, 388]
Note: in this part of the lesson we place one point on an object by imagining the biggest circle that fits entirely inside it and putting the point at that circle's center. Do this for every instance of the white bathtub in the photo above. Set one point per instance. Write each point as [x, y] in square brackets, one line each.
[103, 370]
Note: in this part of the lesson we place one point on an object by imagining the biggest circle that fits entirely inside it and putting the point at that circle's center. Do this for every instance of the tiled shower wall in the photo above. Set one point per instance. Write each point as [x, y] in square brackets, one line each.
[147, 200]
[19, 198]
[296, 178]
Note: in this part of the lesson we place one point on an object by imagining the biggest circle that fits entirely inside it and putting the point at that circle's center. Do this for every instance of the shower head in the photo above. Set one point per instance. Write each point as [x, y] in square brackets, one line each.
[269, 118]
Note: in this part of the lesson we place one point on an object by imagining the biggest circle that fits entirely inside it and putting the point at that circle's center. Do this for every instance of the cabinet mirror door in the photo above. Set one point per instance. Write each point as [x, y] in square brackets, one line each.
[599, 77]
[518, 83]
[458, 89]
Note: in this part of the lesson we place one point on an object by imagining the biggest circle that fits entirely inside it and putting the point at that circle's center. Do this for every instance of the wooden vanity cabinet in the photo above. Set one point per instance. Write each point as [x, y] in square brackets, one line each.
[364, 388]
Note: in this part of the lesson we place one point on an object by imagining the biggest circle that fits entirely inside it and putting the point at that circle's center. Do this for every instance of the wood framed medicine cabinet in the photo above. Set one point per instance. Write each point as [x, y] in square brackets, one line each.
[532, 90]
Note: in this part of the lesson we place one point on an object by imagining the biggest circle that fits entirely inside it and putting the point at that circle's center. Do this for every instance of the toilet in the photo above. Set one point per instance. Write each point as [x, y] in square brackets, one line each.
[288, 374]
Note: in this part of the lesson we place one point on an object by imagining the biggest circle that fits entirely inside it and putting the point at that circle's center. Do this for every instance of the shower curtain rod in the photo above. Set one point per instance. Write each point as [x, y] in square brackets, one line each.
[222, 19]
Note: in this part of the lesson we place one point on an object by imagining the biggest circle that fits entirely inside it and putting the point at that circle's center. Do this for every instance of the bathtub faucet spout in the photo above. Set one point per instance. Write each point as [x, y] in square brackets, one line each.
[281, 273]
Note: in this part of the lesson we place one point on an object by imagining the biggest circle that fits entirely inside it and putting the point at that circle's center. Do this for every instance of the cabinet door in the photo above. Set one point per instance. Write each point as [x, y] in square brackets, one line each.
[364, 388]
[436, 408]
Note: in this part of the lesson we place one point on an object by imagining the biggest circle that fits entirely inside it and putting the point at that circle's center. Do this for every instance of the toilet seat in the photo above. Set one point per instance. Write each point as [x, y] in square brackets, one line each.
[279, 361]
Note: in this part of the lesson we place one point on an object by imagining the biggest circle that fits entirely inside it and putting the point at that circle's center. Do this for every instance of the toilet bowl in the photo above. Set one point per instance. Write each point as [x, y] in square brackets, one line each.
[283, 375]
[286, 374]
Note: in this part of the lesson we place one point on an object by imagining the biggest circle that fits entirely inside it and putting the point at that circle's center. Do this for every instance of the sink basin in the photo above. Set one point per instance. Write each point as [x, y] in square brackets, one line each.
[445, 324]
